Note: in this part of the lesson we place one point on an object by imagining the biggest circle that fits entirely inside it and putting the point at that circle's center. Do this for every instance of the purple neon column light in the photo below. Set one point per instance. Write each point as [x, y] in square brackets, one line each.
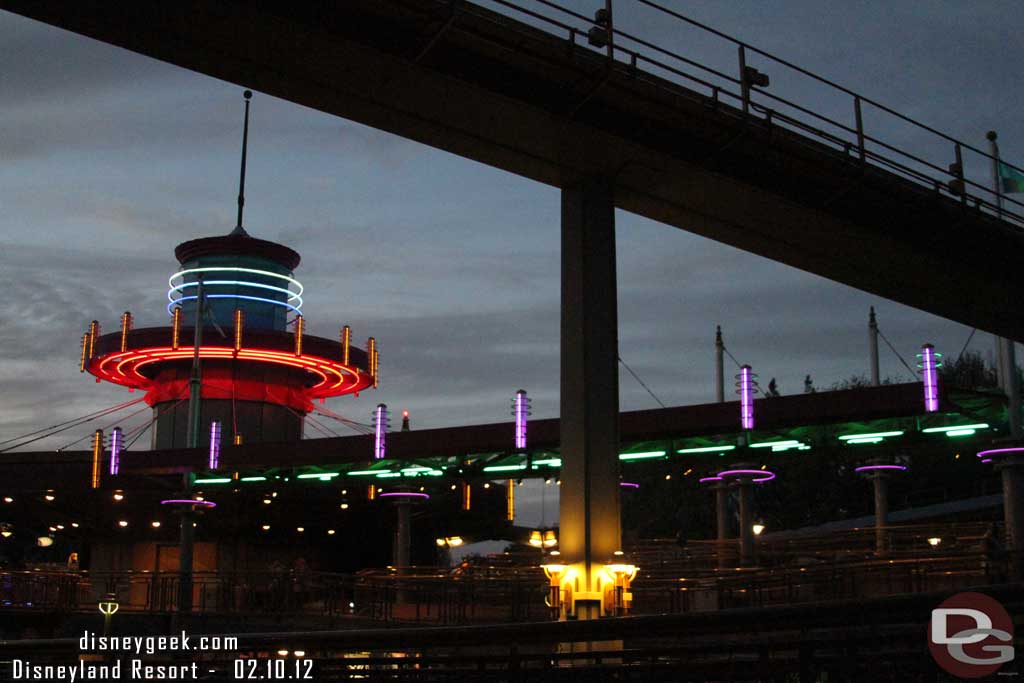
[746, 397]
[116, 442]
[521, 412]
[214, 444]
[380, 430]
[929, 371]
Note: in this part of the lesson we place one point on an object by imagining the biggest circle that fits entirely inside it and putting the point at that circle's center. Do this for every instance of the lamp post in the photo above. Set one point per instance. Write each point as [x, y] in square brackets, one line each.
[108, 606]
[555, 573]
[622, 575]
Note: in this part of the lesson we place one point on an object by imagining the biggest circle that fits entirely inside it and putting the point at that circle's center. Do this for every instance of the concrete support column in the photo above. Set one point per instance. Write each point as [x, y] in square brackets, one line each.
[1012, 472]
[746, 522]
[881, 514]
[401, 550]
[1012, 387]
[589, 508]
[721, 521]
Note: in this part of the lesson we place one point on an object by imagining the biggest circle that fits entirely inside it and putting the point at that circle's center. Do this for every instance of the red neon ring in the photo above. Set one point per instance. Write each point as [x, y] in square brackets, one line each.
[336, 379]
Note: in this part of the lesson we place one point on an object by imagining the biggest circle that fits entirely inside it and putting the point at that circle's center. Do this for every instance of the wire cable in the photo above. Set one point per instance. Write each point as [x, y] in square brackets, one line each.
[969, 338]
[105, 428]
[893, 349]
[102, 413]
[637, 378]
[98, 413]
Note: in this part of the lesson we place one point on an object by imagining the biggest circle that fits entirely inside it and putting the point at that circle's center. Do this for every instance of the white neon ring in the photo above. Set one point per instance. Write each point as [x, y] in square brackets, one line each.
[292, 296]
[236, 269]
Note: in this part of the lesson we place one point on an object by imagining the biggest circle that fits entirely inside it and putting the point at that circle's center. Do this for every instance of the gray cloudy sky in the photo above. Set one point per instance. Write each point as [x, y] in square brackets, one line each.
[109, 159]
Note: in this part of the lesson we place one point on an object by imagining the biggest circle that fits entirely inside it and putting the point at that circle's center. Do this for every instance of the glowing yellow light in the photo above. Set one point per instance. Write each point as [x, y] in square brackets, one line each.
[550, 539]
[126, 327]
[265, 527]
[239, 326]
[123, 523]
[535, 539]
[155, 524]
[238, 439]
[300, 529]
[467, 497]
[344, 506]
[300, 326]
[371, 492]
[175, 327]
[85, 350]
[97, 455]
[934, 541]
[758, 529]
[346, 342]
[455, 541]
[330, 532]
[510, 501]
[94, 332]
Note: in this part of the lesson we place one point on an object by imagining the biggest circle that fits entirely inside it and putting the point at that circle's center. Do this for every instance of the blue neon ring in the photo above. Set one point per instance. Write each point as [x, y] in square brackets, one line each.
[174, 303]
[181, 287]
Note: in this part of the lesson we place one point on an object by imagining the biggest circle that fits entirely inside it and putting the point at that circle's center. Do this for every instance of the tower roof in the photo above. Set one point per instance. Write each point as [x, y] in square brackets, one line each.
[235, 244]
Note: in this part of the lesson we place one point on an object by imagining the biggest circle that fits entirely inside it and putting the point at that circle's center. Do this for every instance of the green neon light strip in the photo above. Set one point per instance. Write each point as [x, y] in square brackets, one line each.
[368, 473]
[252, 479]
[873, 435]
[773, 444]
[956, 433]
[789, 447]
[504, 468]
[418, 468]
[641, 456]
[866, 439]
[706, 449]
[213, 481]
[550, 462]
[322, 475]
[954, 428]
[385, 475]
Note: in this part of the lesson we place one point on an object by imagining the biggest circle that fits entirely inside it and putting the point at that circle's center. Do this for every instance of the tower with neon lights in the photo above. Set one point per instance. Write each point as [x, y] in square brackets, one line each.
[260, 371]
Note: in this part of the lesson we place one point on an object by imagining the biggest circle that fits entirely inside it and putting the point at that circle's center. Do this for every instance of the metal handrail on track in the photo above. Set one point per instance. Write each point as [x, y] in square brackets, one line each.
[754, 102]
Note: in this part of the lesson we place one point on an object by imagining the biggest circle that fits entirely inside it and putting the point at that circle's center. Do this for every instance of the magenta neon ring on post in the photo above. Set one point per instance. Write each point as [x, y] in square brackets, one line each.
[405, 494]
[1000, 452]
[871, 468]
[629, 485]
[189, 501]
[707, 479]
[757, 476]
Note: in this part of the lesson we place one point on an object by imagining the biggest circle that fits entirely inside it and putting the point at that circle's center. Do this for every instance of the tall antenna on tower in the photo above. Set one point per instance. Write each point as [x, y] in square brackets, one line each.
[239, 230]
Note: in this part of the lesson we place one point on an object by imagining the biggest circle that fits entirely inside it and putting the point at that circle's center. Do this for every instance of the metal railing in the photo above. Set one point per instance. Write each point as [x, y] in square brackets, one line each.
[644, 60]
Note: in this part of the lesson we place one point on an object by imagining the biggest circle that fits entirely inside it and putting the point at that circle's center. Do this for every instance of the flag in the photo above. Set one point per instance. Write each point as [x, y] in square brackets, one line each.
[1010, 179]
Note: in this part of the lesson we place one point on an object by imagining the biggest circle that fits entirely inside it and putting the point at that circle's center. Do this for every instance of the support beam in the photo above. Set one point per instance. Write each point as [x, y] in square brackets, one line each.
[721, 522]
[746, 522]
[590, 525]
[881, 513]
[403, 538]
[1012, 473]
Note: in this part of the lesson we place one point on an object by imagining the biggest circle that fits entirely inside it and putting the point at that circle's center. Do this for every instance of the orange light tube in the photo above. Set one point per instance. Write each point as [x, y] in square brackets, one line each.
[97, 455]
[176, 327]
[126, 327]
[239, 323]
